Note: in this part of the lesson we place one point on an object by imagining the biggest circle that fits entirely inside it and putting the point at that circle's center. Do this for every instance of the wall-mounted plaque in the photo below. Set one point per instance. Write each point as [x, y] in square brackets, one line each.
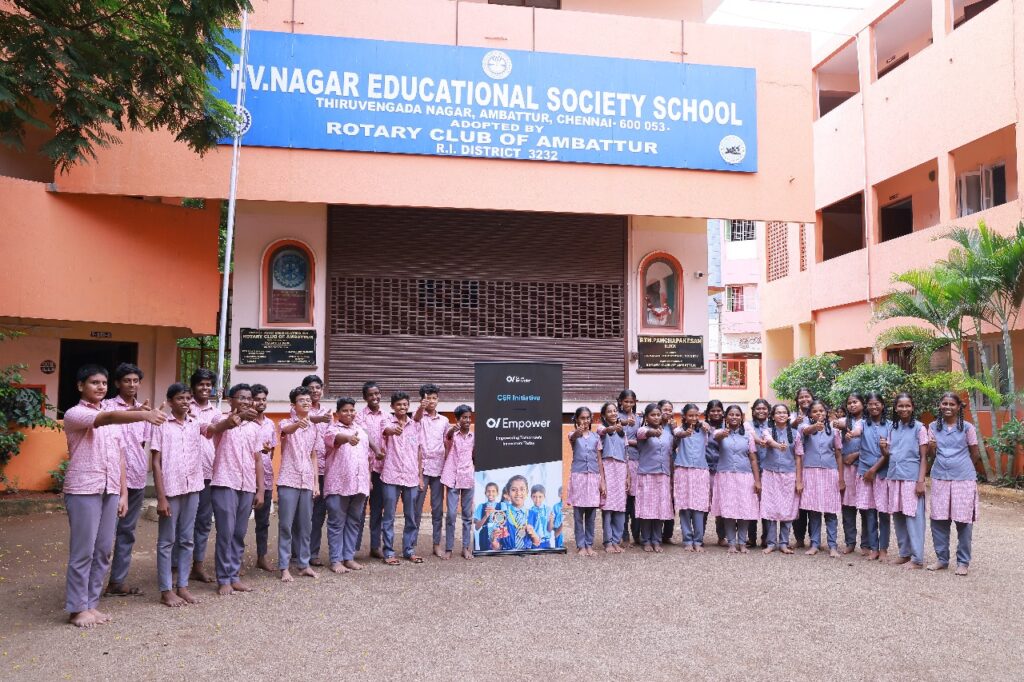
[284, 348]
[670, 353]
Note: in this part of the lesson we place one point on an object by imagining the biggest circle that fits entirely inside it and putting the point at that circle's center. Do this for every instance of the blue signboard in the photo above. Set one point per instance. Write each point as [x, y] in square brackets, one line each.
[347, 94]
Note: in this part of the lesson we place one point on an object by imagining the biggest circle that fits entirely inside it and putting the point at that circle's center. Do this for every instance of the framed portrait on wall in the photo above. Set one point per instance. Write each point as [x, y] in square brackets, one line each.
[661, 293]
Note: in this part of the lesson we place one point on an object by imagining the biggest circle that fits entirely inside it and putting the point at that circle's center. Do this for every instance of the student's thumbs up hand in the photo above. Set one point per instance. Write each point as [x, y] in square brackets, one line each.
[156, 418]
[304, 423]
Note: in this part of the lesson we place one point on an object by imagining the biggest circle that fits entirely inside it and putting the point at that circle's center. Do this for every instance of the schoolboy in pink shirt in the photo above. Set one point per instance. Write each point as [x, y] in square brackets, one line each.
[457, 477]
[402, 476]
[371, 419]
[433, 427]
[178, 478]
[297, 485]
[346, 485]
[95, 491]
[236, 486]
[205, 411]
[320, 417]
[127, 378]
[267, 441]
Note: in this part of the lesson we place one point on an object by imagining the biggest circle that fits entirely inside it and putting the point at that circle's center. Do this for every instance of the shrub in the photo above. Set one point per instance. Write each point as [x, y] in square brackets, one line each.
[927, 388]
[817, 372]
[58, 475]
[885, 378]
[20, 408]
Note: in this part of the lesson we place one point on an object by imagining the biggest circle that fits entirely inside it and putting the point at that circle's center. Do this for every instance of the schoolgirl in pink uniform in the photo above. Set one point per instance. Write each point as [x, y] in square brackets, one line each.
[630, 422]
[691, 481]
[346, 485]
[738, 481]
[586, 480]
[801, 415]
[954, 446]
[907, 448]
[823, 487]
[654, 485]
[872, 487]
[616, 477]
[781, 480]
[851, 428]
[760, 422]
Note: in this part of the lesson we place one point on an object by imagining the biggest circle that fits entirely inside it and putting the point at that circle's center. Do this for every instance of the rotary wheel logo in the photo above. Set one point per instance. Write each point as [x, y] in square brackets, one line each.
[732, 149]
[497, 64]
[243, 121]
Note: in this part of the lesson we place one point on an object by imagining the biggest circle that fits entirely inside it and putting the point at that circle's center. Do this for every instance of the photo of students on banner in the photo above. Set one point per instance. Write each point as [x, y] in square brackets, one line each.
[519, 509]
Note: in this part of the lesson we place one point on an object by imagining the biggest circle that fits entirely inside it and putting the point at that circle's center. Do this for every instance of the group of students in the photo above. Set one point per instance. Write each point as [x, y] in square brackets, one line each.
[790, 470]
[208, 464]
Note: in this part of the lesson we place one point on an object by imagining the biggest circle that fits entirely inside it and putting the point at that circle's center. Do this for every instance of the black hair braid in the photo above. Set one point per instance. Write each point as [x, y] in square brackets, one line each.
[960, 418]
[789, 432]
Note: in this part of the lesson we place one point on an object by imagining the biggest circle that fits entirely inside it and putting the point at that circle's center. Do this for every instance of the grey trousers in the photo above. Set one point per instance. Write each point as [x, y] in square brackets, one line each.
[125, 539]
[92, 520]
[940, 538]
[457, 497]
[204, 522]
[910, 533]
[263, 522]
[294, 521]
[318, 518]
[231, 508]
[174, 540]
[583, 525]
[344, 521]
[436, 488]
[391, 494]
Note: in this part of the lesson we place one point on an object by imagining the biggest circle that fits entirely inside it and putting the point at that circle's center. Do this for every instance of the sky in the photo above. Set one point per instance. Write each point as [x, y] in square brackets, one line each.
[822, 18]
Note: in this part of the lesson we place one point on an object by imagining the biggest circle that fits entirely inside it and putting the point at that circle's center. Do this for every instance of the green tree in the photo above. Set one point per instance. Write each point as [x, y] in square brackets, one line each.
[884, 378]
[89, 69]
[816, 372]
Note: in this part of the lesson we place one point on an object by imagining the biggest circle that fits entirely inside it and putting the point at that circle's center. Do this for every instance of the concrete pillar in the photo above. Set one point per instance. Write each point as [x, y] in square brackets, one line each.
[946, 180]
[803, 340]
[942, 19]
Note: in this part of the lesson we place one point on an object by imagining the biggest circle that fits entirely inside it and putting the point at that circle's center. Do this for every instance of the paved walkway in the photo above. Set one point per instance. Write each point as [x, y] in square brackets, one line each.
[632, 616]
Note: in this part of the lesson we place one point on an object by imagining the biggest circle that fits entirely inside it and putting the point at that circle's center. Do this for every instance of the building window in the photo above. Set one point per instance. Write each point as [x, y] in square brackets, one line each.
[981, 189]
[661, 290]
[778, 250]
[741, 230]
[288, 284]
[803, 246]
[734, 299]
[902, 357]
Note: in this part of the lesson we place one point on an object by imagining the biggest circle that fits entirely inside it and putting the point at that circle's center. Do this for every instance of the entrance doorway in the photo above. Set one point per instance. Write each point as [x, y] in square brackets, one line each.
[74, 353]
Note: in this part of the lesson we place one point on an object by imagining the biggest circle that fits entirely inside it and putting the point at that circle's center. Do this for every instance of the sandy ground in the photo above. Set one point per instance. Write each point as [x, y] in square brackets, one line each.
[630, 616]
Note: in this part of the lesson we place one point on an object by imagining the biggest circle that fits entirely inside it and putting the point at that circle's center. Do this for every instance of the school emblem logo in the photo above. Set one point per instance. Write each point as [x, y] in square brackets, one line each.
[497, 65]
[243, 121]
[733, 149]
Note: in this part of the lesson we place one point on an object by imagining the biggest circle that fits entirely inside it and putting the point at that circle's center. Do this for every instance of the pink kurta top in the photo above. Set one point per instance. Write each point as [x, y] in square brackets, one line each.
[348, 466]
[372, 424]
[458, 468]
[401, 454]
[205, 415]
[296, 447]
[133, 439]
[181, 459]
[268, 434]
[95, 453]
[432, 430]
[235, 452]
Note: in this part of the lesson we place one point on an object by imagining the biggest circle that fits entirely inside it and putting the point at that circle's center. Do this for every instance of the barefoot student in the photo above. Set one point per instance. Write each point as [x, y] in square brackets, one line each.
[630, 423]
[237, 484]
[297, 485]
[851, 429]
[872, 487]
[267, 441]
[127, 378]
[954, 446]
[320, 417]
[205, 411]
[822, 485]
[616, 477]
[95, 491]
[799, 417]
[457, 477]
[371, 419]
[178, 478]
[433, 427]
[346, 485]
[907, 448]
[781, 480]
[691, 484]
[586, 480]
[654, 486]
[738, 481]
[402, 476]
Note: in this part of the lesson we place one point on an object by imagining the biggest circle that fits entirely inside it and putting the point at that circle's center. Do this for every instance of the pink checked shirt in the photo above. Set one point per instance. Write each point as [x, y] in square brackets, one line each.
[181, 458]
[432, 430]
[320, 429]
[268, 434]
[95, 453]
[348, 466]
[206, 415]
[372, 424]
[458, 471]
[235, 451]
[296, 468]
[401, 454]
[133, 438]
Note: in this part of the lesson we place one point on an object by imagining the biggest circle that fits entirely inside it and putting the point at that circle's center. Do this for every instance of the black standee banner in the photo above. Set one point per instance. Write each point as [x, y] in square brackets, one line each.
[518, 456]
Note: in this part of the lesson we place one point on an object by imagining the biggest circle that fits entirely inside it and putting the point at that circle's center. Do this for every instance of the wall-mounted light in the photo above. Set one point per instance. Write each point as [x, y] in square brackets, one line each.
[698, 275]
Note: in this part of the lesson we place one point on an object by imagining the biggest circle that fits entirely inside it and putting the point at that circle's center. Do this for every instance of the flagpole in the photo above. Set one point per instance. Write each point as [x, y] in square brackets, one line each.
[236, 148]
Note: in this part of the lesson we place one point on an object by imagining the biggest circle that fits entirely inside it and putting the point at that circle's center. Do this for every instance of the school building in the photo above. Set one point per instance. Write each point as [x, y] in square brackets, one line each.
[404, 263]
[917, 127]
